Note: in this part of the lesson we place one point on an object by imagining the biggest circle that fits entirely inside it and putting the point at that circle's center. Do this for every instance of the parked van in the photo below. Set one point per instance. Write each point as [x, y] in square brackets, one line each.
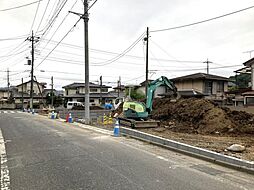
[71, 105]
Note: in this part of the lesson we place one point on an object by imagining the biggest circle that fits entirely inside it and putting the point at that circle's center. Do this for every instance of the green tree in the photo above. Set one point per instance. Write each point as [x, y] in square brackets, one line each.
[242, 80]
[57, 100]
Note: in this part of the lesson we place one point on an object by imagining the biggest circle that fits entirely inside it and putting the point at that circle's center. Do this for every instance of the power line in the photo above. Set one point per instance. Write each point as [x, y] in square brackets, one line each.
[126, 55]
[19, 6]
[123, 53]
[198, 69]
[91, 6]
[14, 50]
[14, 54]
[58, 27]
[45, 10]
[58, 43]
[202, 21]
[48, 18]
[35, 16]
[14, 38]
[54, 16]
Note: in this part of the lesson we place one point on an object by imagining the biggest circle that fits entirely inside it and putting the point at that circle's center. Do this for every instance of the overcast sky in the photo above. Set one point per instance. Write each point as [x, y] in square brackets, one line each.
[114, 25]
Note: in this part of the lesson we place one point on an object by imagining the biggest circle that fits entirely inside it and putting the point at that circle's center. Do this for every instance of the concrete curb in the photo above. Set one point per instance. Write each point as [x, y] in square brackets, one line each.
[225, 160]
[204, 154]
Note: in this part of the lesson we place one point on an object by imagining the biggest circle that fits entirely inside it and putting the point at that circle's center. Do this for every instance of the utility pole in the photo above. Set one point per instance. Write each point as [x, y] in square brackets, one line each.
[52, 94]
[207, 65]
[146, 39]
[100, 90]
[85, 16]
[39, 91]
[119, 86]
[32, 39]
[250, 51]
[8, 84]
[22, 89]
[87, 98]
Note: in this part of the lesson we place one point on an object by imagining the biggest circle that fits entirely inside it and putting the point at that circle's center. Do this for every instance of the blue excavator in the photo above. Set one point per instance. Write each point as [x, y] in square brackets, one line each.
[137, 113]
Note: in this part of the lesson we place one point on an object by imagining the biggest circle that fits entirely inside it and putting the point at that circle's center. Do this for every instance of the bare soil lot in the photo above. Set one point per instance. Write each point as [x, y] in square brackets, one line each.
[204, 124]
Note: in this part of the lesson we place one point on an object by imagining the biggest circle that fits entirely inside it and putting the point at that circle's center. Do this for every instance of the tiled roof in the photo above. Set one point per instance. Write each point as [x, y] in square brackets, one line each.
[40, 83]
[249, 62]
[199, 76]
[91, 95]
[91, 85]
[4, 89]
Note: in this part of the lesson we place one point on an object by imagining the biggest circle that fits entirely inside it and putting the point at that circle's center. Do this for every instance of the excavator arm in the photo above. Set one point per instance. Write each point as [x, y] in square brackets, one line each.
[162, 81]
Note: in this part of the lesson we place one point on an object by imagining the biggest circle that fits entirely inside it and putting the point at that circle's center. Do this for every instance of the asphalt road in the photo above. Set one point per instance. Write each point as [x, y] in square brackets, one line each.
[49, 154]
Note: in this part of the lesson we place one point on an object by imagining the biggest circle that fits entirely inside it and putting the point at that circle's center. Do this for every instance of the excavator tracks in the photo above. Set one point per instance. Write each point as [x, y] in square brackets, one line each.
[138, 124]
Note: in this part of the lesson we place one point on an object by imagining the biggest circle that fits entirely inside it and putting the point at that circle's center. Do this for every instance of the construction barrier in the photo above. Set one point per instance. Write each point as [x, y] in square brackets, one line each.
[100, 120]
[107, 120]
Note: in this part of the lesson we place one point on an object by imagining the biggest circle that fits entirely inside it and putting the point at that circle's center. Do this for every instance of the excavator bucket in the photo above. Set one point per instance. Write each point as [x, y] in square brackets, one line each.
[176, 96]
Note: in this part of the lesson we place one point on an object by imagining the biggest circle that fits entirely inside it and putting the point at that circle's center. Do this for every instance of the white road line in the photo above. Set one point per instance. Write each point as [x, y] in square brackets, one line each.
[5, 111]
[12, 111]
[162, 158]
[5, 178]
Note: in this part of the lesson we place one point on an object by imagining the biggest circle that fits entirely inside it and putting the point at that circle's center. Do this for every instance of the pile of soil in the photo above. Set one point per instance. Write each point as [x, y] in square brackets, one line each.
[201, 116]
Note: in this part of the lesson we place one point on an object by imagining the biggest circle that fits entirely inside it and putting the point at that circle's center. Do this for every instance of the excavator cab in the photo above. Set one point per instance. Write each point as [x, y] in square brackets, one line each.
[135, 110]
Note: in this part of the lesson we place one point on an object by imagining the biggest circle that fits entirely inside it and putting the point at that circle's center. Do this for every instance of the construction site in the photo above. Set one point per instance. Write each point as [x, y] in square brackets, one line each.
[203, 123]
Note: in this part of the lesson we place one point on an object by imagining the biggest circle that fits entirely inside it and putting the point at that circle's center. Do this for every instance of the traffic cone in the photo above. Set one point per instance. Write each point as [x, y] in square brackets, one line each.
[52, 115]
[70, 118]
[116, 128]
[67, 117]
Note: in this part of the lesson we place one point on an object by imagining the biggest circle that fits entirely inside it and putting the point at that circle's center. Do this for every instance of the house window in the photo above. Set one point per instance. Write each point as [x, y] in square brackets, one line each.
[77, 91]
[249, 100]
[208, 87]
[104, 90]
[91, 100]
[220, 86]
[93, 89]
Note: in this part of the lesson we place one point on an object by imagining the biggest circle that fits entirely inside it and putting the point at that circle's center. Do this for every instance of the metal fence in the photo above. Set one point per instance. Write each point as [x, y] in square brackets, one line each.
[96, 116]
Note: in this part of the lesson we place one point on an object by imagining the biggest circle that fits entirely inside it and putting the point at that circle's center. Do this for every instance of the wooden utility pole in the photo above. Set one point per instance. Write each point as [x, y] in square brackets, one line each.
[147, 39]
[52, 94]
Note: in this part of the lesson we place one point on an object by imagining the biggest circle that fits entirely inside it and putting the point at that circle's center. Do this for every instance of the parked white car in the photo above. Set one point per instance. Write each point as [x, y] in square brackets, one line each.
[72, 104]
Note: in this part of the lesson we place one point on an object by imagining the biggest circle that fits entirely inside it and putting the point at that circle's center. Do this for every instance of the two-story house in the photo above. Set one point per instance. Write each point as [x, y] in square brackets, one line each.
[4, 94]
[23, 91]
[212, 86]
[99, 94]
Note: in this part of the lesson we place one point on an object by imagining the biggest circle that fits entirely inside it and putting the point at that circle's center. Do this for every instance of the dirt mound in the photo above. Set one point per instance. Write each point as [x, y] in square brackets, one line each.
[201, 116]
